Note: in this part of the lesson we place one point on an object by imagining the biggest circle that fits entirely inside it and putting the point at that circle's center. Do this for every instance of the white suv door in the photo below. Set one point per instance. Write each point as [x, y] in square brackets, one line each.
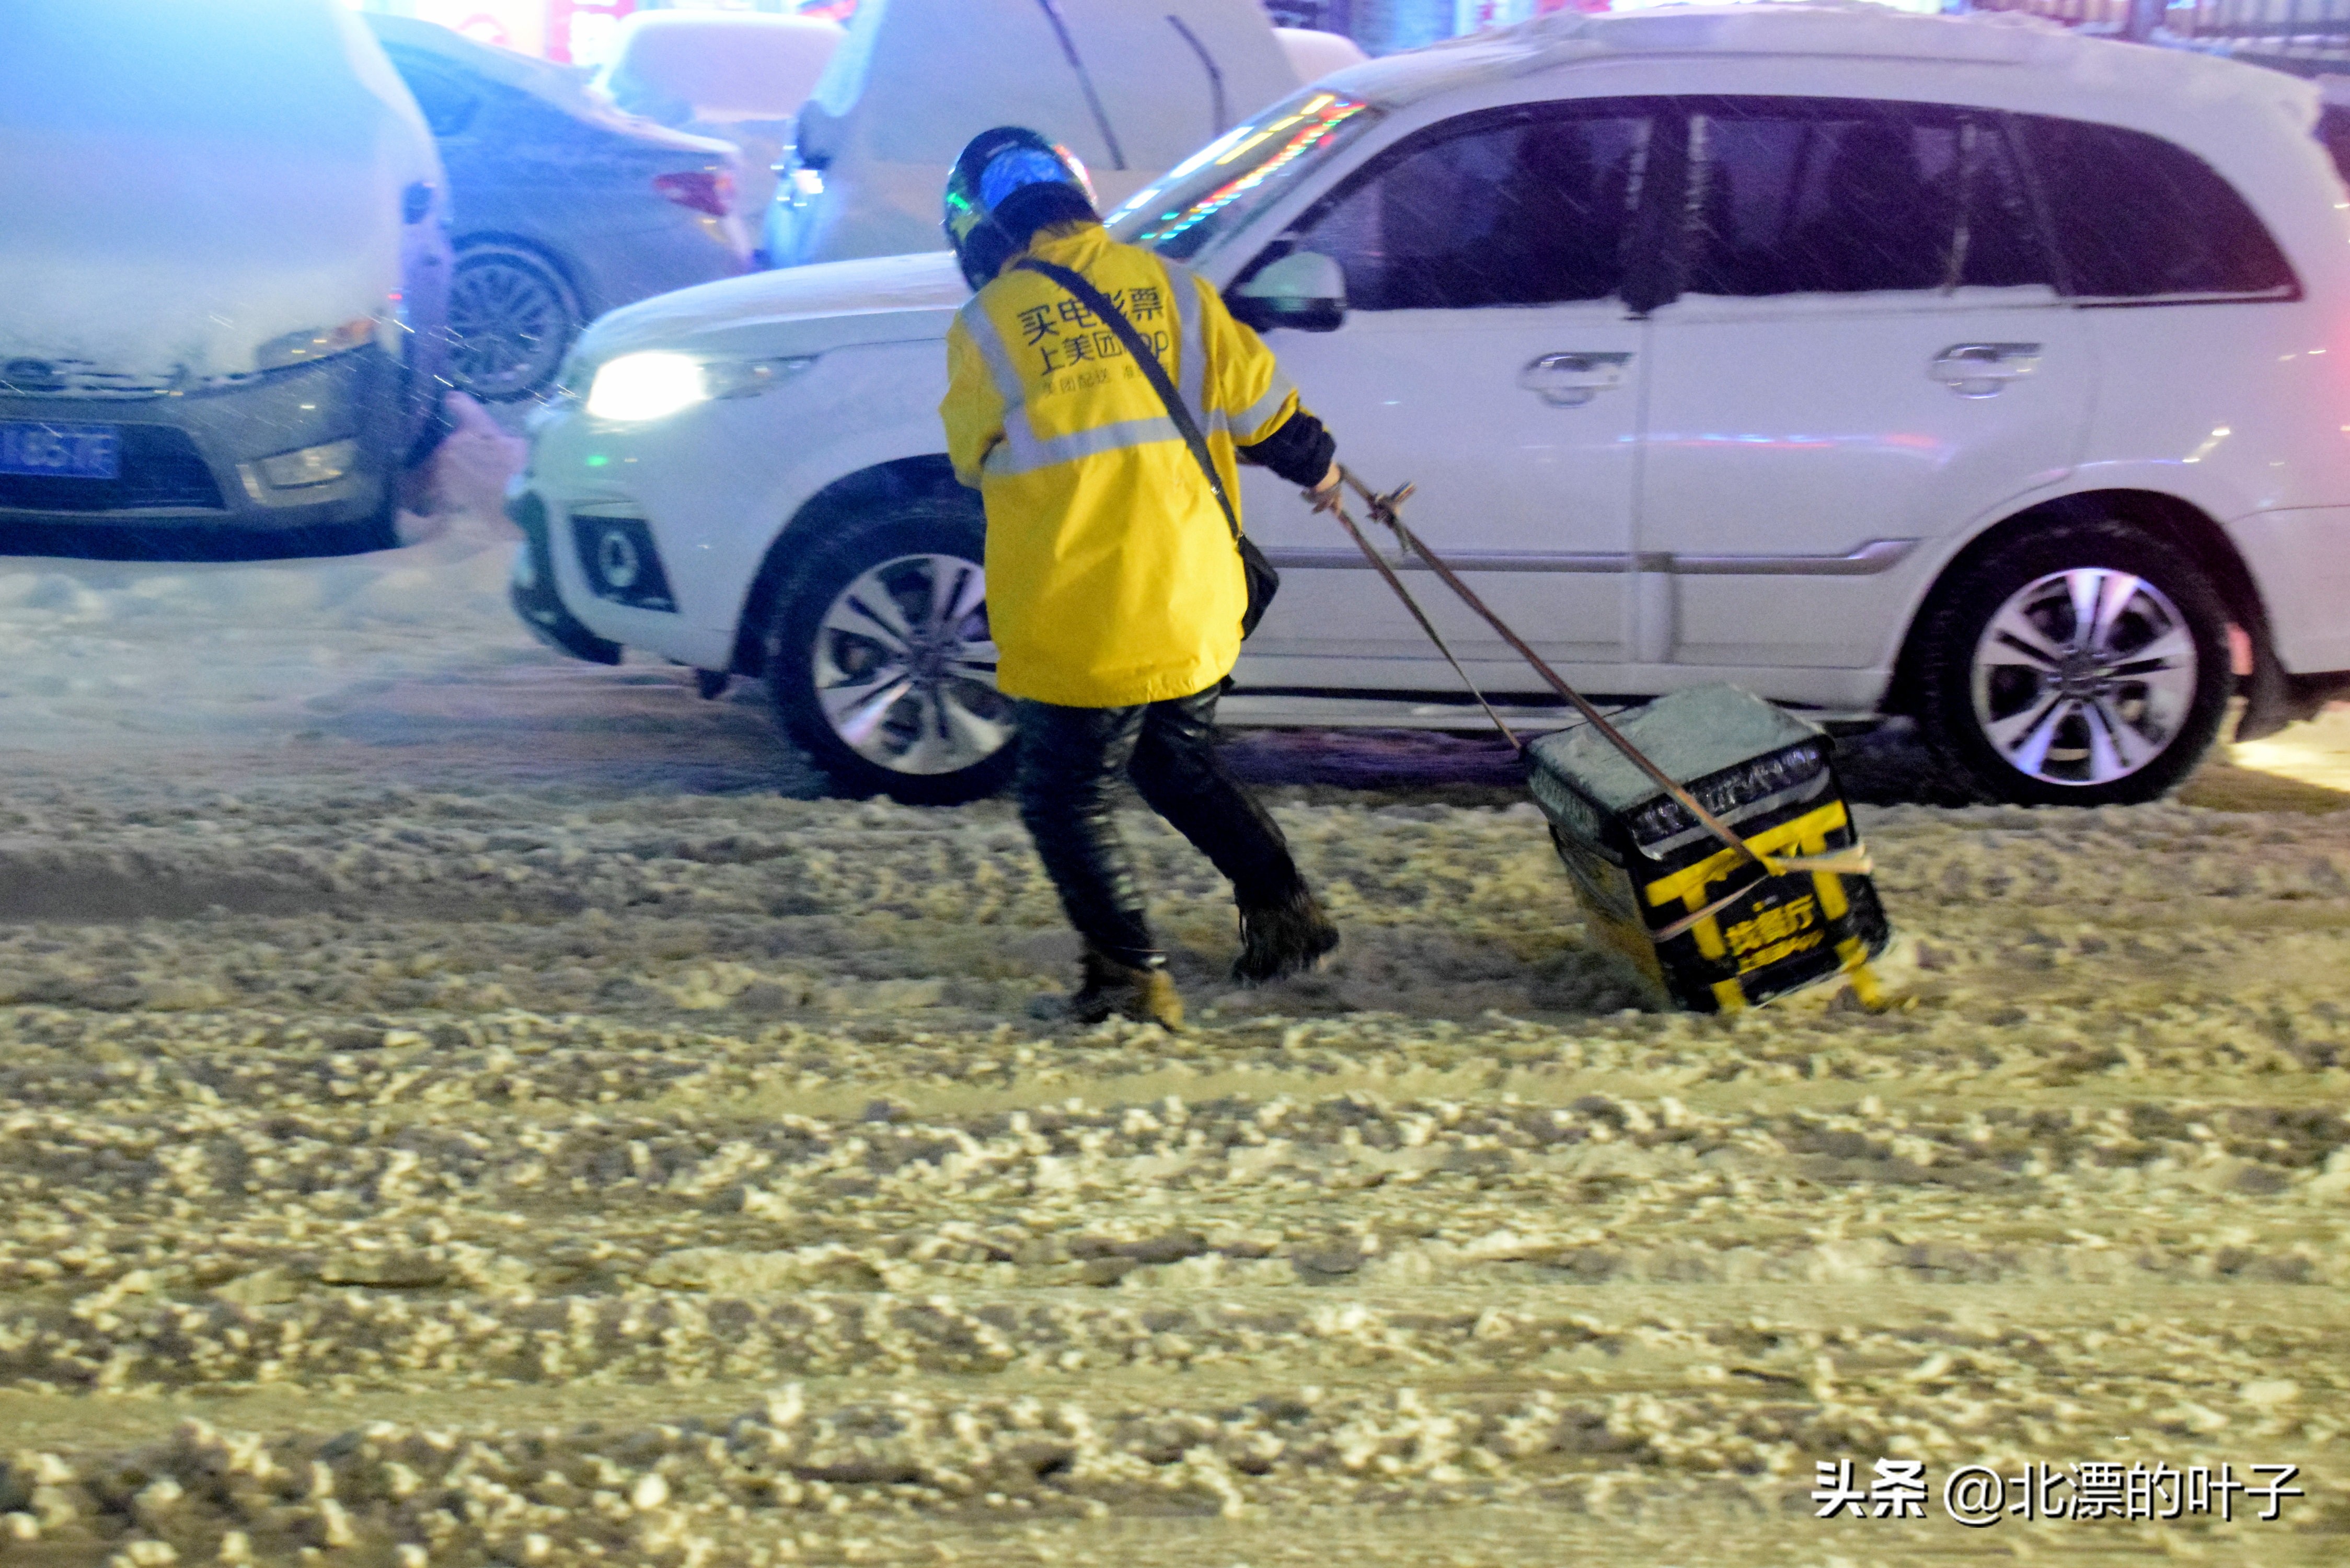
[1868, 352]
[1487, 355]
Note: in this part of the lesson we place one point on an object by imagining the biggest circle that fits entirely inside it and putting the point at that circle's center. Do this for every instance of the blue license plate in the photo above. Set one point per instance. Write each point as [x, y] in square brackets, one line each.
[60, 451]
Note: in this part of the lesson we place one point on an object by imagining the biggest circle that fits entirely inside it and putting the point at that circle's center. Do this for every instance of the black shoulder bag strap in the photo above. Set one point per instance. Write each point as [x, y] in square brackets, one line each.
[1262, 580]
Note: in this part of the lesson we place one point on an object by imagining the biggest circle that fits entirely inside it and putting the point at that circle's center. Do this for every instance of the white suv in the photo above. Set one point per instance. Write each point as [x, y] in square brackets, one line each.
[1877, 363]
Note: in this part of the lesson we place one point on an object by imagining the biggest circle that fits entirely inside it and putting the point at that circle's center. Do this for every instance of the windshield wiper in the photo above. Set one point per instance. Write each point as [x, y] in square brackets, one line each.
[1216, 74]
[1093, 99]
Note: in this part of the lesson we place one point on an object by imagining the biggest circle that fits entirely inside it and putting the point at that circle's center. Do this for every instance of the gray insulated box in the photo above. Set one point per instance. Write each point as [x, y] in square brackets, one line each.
[1641, 864]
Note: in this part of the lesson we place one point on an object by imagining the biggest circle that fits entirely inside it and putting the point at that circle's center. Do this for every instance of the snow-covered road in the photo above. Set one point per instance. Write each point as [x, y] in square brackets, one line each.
[460, 1107]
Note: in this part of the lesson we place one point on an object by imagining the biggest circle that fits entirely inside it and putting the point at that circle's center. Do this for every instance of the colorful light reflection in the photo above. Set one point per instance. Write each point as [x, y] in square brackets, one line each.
[1313, 123]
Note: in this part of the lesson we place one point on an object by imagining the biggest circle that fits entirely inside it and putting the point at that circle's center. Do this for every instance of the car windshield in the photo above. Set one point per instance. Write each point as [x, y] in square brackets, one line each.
[1216, 189]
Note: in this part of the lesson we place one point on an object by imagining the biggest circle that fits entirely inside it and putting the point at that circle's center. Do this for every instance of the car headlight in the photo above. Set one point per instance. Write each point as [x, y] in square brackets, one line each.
[315, 343]
[656, 384]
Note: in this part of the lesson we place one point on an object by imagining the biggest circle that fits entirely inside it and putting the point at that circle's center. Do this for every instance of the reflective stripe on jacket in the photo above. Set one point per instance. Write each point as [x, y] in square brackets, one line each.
[1111, 575]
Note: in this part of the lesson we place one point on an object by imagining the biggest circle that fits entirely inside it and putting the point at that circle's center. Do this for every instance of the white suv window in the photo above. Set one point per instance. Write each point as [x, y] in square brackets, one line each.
[1525, 206]
[1843, 196]
[2139, 218]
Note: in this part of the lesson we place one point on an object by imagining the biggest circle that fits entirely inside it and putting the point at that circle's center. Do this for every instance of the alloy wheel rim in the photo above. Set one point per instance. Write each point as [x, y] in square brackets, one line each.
[507, 327]
[904, 667]
[2084, 677]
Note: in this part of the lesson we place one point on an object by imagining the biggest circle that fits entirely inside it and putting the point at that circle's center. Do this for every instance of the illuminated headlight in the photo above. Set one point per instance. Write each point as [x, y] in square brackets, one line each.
[656, 384]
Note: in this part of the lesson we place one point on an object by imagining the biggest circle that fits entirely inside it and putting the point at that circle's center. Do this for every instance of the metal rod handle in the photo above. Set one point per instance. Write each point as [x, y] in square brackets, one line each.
[1383, 507]
[1380, 562]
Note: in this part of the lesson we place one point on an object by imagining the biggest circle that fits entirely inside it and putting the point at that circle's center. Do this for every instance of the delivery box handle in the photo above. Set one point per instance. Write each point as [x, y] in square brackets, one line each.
[1379, 564]
[1851, 861]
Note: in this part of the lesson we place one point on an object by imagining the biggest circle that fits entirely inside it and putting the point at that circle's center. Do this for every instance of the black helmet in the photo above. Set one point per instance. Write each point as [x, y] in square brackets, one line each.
[1009, 165]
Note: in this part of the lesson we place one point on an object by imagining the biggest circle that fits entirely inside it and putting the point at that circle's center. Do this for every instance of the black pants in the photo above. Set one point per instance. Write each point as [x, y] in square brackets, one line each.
[1069, 761]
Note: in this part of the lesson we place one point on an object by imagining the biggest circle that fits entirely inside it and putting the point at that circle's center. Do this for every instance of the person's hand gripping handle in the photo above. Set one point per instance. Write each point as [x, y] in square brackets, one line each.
[1325, 496]
[1383, 507]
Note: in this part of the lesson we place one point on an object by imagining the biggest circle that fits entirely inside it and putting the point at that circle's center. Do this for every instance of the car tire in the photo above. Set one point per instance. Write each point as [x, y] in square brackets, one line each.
[511, 318]
[879, 663]
[2082, 664]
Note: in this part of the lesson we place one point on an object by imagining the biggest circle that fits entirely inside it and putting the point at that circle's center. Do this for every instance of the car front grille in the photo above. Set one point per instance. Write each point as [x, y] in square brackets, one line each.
[81, 378]
[161, 467]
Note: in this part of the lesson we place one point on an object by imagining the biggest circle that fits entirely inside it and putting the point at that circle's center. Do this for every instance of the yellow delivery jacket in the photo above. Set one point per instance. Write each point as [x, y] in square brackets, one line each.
[1112, 579]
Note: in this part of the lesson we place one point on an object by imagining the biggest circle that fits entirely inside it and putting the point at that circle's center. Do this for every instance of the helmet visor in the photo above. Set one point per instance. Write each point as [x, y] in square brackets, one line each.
[1017, 168]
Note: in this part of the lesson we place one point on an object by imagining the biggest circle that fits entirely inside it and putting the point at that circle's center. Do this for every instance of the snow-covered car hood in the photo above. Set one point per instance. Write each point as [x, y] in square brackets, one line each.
[799, 310]
[717, 66]
[562, 88]
[184, 184]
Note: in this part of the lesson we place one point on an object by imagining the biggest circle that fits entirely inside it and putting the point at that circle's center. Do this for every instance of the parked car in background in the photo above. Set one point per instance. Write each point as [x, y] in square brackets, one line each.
[738, 76]
[562, 207]
[1833, 353]
[226, 270]
[1313, 55]
[1130, 89]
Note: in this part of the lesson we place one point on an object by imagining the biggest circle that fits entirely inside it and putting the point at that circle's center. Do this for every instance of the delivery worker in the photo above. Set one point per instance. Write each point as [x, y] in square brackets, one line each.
[1115, 589]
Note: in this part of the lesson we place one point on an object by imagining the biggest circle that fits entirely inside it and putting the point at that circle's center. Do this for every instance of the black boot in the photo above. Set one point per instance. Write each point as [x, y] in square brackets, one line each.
[1281, 940]
[1111, 990]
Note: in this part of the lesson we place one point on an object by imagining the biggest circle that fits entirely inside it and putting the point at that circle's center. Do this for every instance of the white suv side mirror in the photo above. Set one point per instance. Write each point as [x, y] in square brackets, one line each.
[1304, 289]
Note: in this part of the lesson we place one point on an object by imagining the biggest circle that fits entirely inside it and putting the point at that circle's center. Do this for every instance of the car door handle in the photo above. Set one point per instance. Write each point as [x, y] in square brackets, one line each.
[1570, 380]
[1983, 370]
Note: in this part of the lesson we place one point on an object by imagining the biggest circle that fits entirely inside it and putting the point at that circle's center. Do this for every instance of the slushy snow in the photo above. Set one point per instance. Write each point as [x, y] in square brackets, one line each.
[461, 1106]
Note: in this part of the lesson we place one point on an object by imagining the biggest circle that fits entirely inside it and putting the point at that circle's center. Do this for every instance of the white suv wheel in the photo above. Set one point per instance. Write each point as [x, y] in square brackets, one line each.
[879, 660]
[2084, 677]
[904, 669]
[2081, 662]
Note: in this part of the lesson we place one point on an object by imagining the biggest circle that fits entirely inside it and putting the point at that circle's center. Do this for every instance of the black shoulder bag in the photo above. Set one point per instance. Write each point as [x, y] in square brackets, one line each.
[1263, 582]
